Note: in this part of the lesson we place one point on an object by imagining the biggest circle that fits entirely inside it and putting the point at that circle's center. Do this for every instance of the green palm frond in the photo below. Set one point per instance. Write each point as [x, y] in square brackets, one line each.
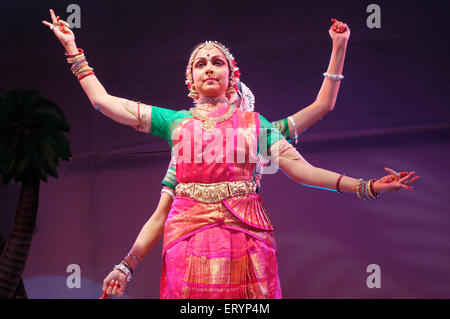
[31, 136]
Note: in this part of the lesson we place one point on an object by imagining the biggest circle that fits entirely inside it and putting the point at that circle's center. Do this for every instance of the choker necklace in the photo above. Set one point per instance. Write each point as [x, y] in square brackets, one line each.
[209, 123]
[211, 100]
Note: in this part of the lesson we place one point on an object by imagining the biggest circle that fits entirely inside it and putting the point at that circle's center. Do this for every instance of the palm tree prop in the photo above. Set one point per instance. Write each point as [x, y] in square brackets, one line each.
[20, 292]
[31, 143]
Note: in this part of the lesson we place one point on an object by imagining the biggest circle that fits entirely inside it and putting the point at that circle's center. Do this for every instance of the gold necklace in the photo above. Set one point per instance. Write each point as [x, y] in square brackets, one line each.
[209, 123]
[207, 108]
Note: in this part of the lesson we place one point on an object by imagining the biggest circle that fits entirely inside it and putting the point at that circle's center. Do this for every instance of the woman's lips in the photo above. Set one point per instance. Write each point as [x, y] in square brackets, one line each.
[210, 79]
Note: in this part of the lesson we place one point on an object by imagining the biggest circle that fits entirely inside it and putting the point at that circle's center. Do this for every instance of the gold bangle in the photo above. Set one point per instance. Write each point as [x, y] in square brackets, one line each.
[76, 59]
[369, 188]
[80, 69]
[358, 188]
[81, 75]
[83, 70]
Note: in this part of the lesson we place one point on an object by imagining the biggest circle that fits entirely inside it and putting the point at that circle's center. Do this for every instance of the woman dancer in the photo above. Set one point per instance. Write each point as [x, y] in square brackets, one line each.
[218, 238]
[288, 127]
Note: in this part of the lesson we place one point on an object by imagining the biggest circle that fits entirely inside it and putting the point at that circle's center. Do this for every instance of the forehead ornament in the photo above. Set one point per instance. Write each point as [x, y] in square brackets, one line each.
[209, 45]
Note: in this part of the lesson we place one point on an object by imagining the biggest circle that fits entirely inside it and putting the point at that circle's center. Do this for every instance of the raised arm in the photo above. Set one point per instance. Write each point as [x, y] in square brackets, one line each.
[112, 106]
[326, 98]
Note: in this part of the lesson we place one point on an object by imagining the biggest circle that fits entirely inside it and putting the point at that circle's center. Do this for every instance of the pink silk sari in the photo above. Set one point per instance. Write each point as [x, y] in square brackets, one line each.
[225, 249]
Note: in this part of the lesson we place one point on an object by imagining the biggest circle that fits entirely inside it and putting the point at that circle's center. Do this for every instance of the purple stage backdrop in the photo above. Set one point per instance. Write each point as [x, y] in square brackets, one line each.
[392, 111]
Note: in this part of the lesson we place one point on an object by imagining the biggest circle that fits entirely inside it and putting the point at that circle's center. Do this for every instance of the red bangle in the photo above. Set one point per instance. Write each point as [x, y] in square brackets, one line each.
[337, 183]
[371, 187]
[80, 51]
[85, 75]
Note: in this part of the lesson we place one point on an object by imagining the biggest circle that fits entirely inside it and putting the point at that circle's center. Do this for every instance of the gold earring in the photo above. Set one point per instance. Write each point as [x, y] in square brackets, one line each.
[193, 93]
[231, 90]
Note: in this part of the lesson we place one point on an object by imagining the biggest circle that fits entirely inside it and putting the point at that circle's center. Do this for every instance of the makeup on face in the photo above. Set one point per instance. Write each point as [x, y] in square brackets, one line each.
[210, 72]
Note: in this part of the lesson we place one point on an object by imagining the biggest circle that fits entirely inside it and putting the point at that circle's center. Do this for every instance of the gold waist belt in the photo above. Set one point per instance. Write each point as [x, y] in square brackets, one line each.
[215, 192]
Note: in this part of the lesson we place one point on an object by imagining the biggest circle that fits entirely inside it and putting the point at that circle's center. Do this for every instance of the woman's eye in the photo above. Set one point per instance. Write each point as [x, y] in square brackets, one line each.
[202, 64]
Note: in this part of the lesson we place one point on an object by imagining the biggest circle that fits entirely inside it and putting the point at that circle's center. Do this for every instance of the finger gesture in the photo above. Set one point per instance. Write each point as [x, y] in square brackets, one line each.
[395, 181]
[60, 29]
[339, 32]
[114, 284]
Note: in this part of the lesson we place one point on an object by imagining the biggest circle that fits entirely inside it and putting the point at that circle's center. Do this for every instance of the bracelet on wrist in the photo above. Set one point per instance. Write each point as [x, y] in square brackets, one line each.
[335, 77]
[171, 194]
[338, 182]
[131, 261]
[80, 51]
[121, 267]
[364, 189]
[124, 262]
[80, 67]
[372, 189]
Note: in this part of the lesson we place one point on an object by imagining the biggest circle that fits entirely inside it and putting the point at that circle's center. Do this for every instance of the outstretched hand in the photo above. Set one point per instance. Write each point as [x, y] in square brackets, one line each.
[394, 181]
[61, 29]
[339, 32]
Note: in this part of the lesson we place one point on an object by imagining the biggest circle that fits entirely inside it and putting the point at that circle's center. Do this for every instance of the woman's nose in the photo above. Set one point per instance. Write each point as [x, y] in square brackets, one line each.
[209, 66]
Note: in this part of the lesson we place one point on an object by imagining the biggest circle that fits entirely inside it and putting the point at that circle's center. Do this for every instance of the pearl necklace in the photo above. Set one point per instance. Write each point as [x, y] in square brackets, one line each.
[209, 123]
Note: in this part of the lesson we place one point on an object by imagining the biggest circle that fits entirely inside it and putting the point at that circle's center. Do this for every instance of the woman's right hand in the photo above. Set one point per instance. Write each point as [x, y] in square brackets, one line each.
[114, 284]
[60, 29]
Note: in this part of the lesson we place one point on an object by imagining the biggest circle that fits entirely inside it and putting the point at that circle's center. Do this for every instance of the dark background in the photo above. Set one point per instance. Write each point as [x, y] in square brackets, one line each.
[392, 111]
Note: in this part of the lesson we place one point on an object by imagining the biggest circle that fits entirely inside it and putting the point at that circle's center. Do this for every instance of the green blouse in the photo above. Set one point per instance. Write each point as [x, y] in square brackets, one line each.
[164, 121]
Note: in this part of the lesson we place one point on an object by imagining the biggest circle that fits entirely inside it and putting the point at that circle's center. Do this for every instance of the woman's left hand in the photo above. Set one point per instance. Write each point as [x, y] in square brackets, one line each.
[394, 181]
[339, 32]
